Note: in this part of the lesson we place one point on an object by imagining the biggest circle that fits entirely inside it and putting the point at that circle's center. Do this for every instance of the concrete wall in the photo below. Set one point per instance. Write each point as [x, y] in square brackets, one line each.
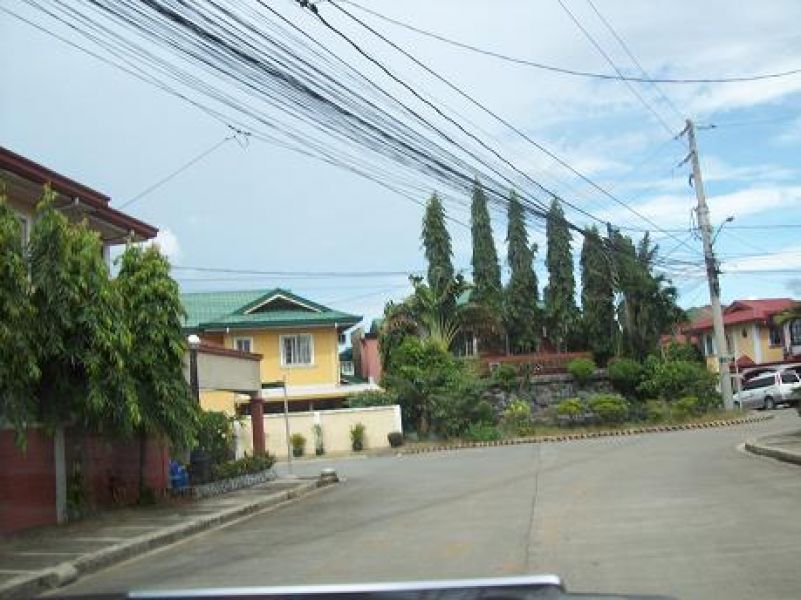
[370, 359]
[336, 424]
[27, 478]
[325, 368]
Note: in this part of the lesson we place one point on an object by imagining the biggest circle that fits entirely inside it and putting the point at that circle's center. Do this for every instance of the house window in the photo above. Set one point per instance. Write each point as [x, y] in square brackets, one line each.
[795, 332]
[297, 350]
[709, 347]
[775, 335]
[729, 345]
[243, 344]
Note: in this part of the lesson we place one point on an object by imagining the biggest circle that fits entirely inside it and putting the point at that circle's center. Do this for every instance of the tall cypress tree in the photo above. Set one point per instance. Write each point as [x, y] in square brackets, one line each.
[487, 288]
[560, 302]
[437, 245]
[521, 313]
[597, 297]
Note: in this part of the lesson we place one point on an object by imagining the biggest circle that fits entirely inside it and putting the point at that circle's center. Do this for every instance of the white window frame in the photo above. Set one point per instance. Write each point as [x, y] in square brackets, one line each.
[243, 339]
[284, 364]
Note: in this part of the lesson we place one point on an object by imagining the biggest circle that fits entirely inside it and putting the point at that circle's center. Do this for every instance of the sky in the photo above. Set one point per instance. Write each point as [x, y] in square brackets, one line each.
[257, 206]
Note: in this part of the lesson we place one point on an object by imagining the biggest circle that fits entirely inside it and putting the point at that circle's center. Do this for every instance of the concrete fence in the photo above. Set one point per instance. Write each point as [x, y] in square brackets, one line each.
[378, 421]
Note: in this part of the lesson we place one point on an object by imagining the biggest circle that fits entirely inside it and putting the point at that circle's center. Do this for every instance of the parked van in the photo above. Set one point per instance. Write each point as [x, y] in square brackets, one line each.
[769, 389]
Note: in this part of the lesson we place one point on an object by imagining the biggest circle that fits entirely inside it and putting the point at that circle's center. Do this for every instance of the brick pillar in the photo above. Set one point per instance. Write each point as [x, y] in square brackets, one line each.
[257, 424]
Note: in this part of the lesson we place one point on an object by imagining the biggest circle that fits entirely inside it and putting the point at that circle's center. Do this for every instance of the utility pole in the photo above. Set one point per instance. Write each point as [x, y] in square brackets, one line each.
[711, 271]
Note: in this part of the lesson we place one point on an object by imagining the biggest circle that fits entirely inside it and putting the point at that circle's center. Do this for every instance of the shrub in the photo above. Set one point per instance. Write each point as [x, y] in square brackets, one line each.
[656, 411]
[371, 398]
[572, 408]
[482, 432]
[673, 379]
[686, 407]
[609, 408]
[215, 436]
[582, 370]
[395, 439]
[517, 416]
[357, 437]
[682, 351]
[243, 466]
[298, 442]
[625, 375]
[505, 377]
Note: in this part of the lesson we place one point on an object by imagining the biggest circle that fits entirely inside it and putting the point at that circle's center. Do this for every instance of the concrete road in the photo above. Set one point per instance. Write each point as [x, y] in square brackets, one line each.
[683, 513]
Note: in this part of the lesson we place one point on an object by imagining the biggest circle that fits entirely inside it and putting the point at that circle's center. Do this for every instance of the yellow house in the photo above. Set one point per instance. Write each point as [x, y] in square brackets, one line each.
[297, 338]
[753, 337]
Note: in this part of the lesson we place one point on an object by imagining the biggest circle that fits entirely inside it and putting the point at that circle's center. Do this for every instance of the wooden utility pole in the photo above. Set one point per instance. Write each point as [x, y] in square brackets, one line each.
[711, 271]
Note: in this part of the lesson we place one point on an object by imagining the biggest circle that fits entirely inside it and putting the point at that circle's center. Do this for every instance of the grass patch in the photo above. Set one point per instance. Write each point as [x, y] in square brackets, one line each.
[550, 430]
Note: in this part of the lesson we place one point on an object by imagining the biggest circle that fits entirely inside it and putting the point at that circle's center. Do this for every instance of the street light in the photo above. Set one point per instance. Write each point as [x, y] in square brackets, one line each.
[720, 228]
[194, 343]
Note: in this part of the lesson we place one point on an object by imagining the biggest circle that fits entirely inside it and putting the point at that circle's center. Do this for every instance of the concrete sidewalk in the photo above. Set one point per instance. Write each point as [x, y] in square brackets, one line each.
[784, 446]
[50, 557]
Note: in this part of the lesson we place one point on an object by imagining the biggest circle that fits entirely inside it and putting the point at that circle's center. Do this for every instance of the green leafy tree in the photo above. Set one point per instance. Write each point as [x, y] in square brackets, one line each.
[80, 329]
[487, 287]
[19, 368]
[436, 314]
[648, 306]
[437, 245]
[521, 313]
[597, 297]
[562, 315]
[153, 309]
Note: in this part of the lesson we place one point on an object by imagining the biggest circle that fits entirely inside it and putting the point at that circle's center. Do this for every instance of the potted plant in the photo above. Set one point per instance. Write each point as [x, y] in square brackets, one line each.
[357, 437]
[298, 444]
[319, 449]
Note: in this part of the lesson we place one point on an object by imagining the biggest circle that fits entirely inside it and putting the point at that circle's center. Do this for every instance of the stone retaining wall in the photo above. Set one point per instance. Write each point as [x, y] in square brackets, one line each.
[215, 488]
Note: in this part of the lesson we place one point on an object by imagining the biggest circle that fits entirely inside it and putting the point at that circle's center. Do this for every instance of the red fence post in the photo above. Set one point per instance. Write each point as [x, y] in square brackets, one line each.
[257, 424]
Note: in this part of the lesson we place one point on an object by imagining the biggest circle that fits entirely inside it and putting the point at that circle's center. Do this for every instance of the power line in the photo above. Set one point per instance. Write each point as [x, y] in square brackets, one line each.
[300, 274]
[633, 58]
[574, 72]
[518, 131]
[612, 64]
[177, 172]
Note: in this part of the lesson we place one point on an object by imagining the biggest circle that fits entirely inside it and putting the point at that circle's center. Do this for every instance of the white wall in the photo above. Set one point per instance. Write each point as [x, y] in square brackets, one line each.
[336, 424]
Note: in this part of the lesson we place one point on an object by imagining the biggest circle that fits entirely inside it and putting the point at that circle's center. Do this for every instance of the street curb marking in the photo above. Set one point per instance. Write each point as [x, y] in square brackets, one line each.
[27, 586]
[570, 437]
[754, 447]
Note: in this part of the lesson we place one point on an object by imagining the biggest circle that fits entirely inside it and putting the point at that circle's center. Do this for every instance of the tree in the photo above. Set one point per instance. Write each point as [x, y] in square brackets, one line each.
[435, 315]
[153, 309]
[19, 368]
[79, 328]
[521, 314]
[562, 315]
[597, 297]
[487, 288]
[648, 307]
[437, 245]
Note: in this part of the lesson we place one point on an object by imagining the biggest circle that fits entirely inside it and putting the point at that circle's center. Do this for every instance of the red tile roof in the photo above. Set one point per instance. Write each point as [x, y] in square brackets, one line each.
[32, 171]
[746, 311]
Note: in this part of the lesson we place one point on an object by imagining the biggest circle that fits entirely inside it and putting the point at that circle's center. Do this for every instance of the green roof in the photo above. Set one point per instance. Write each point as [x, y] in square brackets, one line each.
[258, 309]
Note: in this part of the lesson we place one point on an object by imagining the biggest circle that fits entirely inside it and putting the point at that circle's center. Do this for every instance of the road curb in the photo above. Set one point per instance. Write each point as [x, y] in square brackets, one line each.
[27, 586]
[754, 447]
[570, 437]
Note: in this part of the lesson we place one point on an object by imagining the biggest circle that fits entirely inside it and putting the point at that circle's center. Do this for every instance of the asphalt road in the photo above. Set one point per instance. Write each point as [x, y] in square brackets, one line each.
[682, 513]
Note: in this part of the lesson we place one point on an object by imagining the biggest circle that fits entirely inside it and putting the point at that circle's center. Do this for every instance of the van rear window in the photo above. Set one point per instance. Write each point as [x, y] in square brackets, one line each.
[789, 377]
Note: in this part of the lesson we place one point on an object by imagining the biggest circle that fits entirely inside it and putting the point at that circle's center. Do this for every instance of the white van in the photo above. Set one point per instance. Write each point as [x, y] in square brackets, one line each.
[769, 389]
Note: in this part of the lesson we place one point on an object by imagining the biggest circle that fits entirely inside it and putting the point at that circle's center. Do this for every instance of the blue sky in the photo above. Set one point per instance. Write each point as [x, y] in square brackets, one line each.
[262, 207]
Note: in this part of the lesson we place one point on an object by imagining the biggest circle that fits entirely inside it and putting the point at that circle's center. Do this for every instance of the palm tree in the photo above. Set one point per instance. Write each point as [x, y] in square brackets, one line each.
[438, 315]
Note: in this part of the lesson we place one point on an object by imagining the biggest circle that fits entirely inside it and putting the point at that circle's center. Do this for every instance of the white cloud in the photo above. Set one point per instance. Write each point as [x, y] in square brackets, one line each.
[788, 258]
[673, 210]
[167, 242]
